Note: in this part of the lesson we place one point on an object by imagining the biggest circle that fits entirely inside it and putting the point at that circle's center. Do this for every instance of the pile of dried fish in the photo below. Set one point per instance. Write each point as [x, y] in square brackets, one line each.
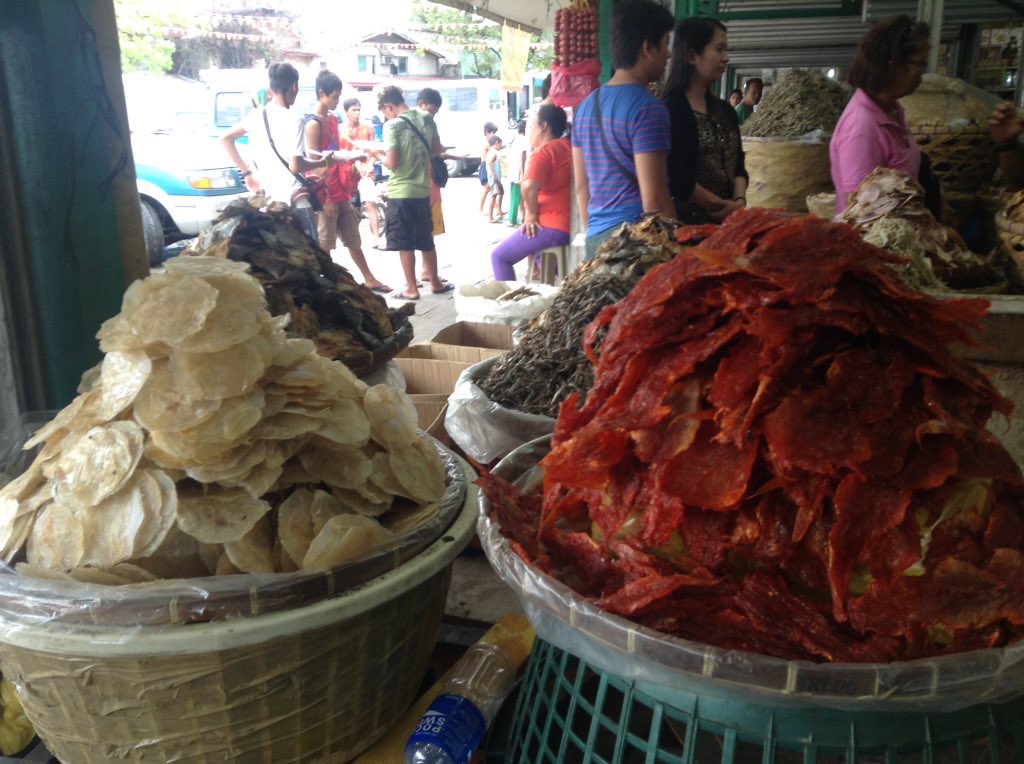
[888, 209]
[948, 101]
[549, 363]
[326, 304]
[801, 102]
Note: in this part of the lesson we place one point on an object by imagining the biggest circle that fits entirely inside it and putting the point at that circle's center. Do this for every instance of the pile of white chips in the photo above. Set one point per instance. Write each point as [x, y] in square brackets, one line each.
[203, 442]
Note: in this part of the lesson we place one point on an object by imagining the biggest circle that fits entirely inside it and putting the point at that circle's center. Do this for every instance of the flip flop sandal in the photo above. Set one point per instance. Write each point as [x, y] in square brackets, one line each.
[448, 286]
[383, 289]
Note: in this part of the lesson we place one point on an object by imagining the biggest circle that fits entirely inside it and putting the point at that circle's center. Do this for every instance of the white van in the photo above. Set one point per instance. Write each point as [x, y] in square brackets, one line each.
[466, 105]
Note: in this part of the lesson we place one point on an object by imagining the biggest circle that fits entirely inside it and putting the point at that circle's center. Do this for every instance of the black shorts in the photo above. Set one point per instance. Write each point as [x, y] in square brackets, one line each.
[482, 174]
[410, 225]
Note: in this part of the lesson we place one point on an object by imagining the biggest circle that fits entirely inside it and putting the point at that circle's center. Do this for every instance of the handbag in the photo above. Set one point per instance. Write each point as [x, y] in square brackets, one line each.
[438, 169]
[313, 190]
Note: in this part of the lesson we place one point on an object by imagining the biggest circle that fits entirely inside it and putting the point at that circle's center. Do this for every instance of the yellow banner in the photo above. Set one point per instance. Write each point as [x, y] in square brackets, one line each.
[515, 50]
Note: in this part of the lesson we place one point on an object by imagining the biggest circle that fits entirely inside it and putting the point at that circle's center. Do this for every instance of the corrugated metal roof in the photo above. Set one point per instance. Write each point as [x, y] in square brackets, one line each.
[832, 40]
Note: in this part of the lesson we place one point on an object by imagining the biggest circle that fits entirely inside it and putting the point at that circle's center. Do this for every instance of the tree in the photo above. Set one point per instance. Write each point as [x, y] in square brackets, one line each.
[231, 43]
[142, 32]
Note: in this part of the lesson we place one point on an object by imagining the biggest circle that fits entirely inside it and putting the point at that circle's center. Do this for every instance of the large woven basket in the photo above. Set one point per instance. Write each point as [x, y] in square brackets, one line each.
[318, 683]
[784, 172]
[963, 158]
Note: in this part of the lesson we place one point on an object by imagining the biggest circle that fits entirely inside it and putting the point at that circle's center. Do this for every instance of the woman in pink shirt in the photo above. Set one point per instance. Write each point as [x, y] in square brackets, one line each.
[872, 132]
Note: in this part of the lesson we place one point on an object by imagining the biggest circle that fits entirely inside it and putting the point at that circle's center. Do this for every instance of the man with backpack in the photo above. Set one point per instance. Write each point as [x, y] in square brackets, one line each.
[338, 218]
[408, 148]
[276, 147]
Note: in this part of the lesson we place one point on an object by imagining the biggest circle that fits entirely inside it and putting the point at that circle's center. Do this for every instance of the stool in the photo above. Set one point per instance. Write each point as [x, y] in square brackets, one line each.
[554, 264]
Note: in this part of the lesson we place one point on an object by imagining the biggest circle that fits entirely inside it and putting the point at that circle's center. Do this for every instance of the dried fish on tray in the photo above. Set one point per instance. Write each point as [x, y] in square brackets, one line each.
[888, 209]
[549, 363]
[345, 319]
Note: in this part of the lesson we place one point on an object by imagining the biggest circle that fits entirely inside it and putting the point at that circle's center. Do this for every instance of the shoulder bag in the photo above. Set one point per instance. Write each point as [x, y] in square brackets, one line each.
[438, 169]
[312, 190]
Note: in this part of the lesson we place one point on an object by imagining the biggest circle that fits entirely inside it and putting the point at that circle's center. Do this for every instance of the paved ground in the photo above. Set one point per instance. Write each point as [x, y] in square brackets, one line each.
[463, 254]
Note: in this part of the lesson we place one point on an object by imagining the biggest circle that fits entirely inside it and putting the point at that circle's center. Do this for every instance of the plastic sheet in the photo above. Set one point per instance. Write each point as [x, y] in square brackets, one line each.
[485, 430]
[480, 303]
[571, 84]
[613, 644]
[26, 601]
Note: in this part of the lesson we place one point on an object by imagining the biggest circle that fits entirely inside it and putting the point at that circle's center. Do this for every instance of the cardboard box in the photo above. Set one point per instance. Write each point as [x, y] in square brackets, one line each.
[470, 334]
[428, 376]
[440, 352]
[430, 411]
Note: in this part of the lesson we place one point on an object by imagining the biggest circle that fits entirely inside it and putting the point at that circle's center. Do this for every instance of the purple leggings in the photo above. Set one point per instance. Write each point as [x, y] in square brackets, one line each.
[519, 245]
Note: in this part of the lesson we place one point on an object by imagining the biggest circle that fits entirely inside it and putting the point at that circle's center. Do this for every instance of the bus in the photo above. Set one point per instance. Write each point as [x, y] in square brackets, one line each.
[466, 105]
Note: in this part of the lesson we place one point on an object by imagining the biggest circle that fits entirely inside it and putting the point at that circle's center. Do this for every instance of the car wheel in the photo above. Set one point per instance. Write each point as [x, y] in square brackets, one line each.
[152, 234]
[454, 167]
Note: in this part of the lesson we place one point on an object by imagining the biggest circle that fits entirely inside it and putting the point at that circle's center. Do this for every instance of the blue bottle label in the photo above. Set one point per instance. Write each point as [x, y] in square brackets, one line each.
[453, 724]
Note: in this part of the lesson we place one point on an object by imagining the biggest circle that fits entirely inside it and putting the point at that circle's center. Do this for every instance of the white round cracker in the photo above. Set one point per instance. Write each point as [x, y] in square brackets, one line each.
[219, 515]
[99, 463]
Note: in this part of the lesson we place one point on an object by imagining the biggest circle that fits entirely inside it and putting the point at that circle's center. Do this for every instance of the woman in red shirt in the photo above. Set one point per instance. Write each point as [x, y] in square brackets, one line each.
[546, 187]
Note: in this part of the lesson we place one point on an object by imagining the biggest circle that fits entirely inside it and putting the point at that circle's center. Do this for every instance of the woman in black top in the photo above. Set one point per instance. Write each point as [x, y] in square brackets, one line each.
[706, 175]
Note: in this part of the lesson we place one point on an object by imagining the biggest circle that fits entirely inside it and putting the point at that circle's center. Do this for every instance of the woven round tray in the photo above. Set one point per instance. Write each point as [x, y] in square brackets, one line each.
[963, 158]
[369, 361]
[317, 683]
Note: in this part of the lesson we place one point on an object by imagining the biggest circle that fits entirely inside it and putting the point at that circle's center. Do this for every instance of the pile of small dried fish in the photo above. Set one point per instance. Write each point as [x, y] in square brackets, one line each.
[326, 304]
[801, 102]
[934, 251]
[948, 101]
[549, 363]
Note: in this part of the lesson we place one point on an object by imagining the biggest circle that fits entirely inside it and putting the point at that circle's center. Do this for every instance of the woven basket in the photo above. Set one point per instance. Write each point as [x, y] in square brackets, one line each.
[963, 158]
[823, 205]
[369, 361]
[783, 172]
[1011, 237]
[318, 683]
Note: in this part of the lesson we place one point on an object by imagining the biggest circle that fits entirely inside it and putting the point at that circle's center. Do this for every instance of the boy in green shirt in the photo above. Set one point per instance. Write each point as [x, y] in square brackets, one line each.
[409, 221]
[751, 97]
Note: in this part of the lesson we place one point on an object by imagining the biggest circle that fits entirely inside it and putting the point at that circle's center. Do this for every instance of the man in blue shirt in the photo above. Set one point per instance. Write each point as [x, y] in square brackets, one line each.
[620, 135]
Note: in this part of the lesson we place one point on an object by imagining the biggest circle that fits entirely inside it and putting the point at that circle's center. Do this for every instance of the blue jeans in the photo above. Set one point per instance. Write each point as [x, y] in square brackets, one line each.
[519, 245]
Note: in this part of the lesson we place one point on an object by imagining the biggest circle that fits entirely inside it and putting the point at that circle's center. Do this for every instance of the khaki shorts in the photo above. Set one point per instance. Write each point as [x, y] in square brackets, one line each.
[338, 220]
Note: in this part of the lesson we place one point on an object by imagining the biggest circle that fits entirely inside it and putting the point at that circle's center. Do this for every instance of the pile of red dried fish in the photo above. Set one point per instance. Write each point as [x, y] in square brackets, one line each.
[779, 454]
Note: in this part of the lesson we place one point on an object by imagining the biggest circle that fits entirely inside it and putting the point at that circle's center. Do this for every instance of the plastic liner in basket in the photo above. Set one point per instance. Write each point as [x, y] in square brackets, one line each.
[569, 621]
[28, 601]
[486, 430]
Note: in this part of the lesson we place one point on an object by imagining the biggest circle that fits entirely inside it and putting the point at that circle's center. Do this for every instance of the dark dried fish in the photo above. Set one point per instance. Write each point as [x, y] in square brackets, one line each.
[548, 363]
[326, 304]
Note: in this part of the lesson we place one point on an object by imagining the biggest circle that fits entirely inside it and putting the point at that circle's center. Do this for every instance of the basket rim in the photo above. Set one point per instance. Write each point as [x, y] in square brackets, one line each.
[188, 639]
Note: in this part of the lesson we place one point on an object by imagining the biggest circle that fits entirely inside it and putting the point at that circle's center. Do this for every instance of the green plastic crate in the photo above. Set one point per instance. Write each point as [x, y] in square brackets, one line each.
[568, 711]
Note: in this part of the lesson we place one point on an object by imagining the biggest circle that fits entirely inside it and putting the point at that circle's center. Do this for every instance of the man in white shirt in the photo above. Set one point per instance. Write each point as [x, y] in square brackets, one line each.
[276, 126]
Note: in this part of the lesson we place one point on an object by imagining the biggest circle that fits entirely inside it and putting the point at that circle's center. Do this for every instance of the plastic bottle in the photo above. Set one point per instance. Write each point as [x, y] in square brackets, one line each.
[453, 728]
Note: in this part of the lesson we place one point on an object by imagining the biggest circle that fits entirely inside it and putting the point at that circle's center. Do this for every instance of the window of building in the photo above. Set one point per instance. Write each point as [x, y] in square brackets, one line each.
[366, 64]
